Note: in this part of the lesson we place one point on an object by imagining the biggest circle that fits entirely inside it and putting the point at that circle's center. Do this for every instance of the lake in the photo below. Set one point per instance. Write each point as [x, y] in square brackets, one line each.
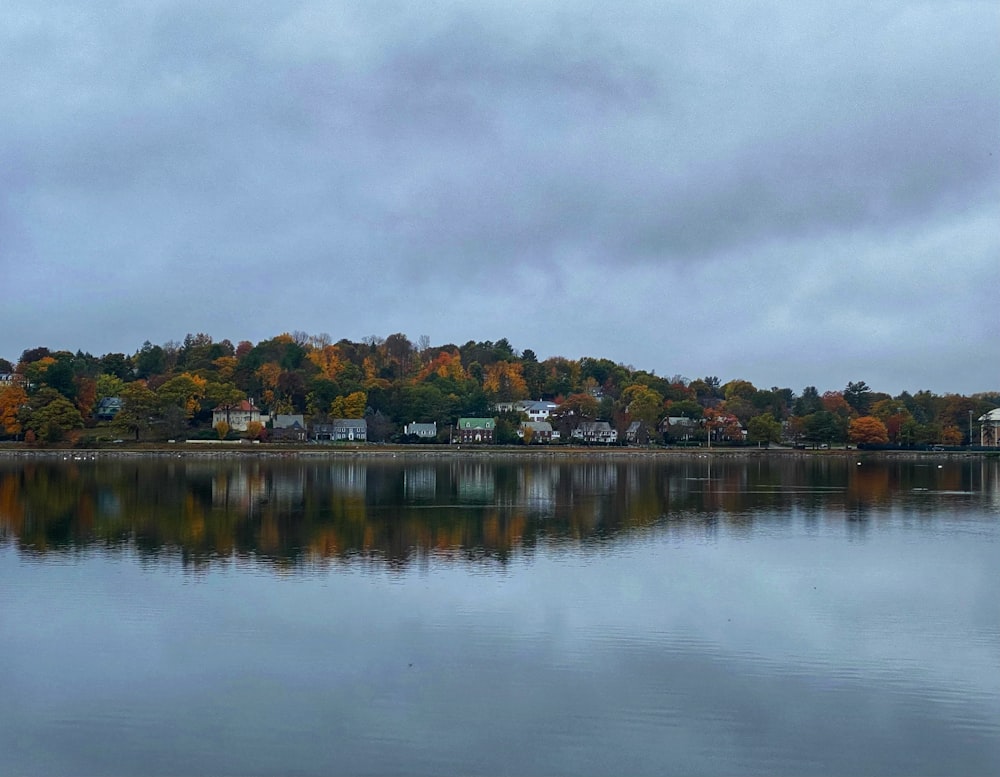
[195, 615]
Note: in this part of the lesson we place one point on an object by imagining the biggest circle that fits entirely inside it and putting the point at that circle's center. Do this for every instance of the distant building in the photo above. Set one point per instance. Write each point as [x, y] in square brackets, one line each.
[108, 408]
[540, 431]
[342, 430]
[423, 431]
[989, 431]
[238, 415]
[288, 428]
[678, 428]
[599, 432]
[637, 433]
[474, 430]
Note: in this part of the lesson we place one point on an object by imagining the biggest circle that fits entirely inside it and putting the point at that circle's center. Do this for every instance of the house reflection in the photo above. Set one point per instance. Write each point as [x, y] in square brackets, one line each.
[292, 512]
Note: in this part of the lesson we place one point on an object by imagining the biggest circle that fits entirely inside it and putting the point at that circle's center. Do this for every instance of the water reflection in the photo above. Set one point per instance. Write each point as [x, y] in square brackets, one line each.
[294, 512]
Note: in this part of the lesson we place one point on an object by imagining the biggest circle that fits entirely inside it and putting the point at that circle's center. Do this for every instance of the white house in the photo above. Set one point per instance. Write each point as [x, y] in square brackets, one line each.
[423, 431]
[239, 415]
[989, 429]
[595, 431]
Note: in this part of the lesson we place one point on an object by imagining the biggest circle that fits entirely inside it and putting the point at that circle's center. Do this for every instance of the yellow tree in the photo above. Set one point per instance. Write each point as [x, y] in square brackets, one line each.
[504, 382]
[351, 406]
[327, 360]
[184, 391]
[226, 365]
[642, 404]
[269, 373]
[447, 364]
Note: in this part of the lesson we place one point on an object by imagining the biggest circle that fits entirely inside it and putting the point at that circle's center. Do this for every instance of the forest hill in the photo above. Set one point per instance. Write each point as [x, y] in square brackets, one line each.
[170, 391]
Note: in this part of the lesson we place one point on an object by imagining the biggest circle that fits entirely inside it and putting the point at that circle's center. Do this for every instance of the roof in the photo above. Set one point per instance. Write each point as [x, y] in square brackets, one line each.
[993, 416]
[594, 426]
[241, 406]
[476, 423]
[537, 426]
[349, 423]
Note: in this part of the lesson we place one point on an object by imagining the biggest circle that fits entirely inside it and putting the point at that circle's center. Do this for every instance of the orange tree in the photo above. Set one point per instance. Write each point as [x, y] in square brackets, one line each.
[867, 429]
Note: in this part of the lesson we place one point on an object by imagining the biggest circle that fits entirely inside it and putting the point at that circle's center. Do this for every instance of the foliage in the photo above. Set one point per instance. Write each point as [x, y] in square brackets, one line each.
[12, 399]
[764, 428]
[351, 406]
[643, 404]
[867, 429]
[169, 388]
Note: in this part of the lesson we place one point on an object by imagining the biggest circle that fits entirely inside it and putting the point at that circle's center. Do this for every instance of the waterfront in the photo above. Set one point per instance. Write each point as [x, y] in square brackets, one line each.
[245, 616]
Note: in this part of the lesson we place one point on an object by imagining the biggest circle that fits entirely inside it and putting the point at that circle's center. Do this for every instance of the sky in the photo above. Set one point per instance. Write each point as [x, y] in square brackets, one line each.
[794, 194]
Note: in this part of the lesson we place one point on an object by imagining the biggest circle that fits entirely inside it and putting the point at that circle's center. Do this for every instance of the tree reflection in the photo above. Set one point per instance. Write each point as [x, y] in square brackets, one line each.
[292, 513]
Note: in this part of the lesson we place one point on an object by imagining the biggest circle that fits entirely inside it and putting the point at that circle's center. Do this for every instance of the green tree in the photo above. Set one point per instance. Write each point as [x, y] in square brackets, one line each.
[808, 403]
[858, 396]
[51, 421]
[140, 407]
[643, 404]
[825, 427]
[764, 428]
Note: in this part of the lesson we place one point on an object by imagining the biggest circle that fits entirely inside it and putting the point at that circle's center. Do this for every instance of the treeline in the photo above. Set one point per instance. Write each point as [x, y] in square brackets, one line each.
[169, 391]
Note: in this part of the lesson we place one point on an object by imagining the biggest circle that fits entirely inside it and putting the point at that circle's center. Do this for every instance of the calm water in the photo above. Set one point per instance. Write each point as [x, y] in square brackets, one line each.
[195, 616]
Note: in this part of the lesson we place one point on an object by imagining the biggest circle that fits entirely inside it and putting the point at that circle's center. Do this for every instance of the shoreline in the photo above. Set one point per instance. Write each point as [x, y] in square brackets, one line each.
[379, 451]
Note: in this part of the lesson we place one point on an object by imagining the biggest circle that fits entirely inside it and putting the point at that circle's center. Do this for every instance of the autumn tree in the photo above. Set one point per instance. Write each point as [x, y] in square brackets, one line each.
[327, 361]
[351, 406]
[222, 429]
[867, 429]
[834, 402]
[12, 400]
[184, 391]
[503, 381]
[108, 385]
[54, 419]
[643, 404]
[86, 394]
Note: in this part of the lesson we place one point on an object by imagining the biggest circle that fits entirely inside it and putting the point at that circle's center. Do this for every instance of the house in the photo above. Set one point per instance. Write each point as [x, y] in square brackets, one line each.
[108, 408]
[239, 415]
[289, 428]
[426, 432]
[637, 433]
[595, 432]
[537, 410]
[540, 431]
[678, 428]
[342, 430]
[989, 430]
[474, 430]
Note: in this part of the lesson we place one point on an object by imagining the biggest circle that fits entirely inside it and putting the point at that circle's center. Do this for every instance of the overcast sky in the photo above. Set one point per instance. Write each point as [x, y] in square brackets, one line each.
[792, 193]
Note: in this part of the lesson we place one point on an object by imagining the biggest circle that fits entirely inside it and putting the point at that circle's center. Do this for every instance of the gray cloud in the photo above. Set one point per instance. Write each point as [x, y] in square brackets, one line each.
[790, 193]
